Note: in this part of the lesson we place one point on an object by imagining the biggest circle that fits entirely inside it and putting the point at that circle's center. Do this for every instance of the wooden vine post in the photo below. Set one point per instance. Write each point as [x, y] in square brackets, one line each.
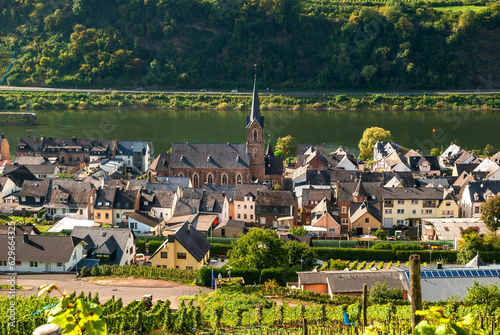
[365, 305]
[415, 290]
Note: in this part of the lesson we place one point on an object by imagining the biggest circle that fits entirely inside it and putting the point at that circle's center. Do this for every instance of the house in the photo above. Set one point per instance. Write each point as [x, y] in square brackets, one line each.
[274, 170]
[451, 151]
[33, 196]
[365, 218]
[310, 198]
[20, 230]
[42, 253]
[39, 171]
[346, 282]
[272, 205]
[107, 245]
[205, 223]
[135, 154]
[228, 191]
[184, 248]
[231, 228]
[142, 223]
[70, 197]
[458, 169]
[159, 204]
[244, 201]
[126, 202]
[214, 203]
[66, 225]
[108, 165]
[324, 220]
[8, 189]
[103, 206]
[424, 165]
[408, 206]
[475, 194]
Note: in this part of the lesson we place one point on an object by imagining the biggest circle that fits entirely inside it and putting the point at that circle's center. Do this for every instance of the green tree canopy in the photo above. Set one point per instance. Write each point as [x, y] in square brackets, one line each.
[299, 253]
[436, 152]
[380, 234]
[370, 137]
[489, 150]
[298, 231]
[490, 213]
[287, 145]
[260, 248]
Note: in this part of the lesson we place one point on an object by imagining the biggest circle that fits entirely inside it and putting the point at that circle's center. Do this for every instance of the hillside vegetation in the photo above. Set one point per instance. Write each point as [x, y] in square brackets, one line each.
[214, 43]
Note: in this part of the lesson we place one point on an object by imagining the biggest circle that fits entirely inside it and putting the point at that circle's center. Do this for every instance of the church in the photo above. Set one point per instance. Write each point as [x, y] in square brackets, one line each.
[224, 163]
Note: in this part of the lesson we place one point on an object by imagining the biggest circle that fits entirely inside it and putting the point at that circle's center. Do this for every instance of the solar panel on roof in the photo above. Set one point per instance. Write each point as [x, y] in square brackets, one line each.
[468, 273]
[461, 273]
[474, 273]
[454, 273]
[448, 274]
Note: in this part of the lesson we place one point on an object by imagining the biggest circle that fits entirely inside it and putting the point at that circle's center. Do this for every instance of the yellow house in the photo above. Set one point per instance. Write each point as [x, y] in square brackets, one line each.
[448, 208]
[185, 248]
[103, 206]
[365, 218]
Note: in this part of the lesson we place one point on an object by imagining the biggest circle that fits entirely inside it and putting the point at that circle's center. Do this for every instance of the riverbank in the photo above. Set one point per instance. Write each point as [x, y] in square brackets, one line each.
[17, 119]
[96, 100]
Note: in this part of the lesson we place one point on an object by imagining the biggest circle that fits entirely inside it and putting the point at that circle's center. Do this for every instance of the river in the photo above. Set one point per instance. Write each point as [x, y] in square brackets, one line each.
[413, 129]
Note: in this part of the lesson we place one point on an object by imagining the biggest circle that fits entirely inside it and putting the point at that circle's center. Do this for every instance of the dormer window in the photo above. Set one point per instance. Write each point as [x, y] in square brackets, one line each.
[107, 204]
[99, 203]
[37, 199]
[146, 203]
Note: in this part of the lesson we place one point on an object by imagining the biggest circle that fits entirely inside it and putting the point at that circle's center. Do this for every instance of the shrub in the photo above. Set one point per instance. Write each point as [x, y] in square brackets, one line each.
[153, 245]
[354, 254]
[141, 246]
[219, 249]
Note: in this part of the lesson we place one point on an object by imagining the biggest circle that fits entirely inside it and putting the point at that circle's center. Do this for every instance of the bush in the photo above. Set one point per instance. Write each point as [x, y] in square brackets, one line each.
[154, 245]
[141, 246]
[219, 249]
[450, 256]
[281, 275]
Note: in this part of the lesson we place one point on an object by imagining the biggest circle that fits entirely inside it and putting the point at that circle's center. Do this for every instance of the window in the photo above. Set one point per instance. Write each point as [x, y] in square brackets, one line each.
[189, 268]
[345, 221]
[37, 199]
[476, 210]
[195, 180]
[447, 213]
[238, 179]
[367, 220]
[98, 215]
[239, 206]
[131, 250]
[244, 206]
[224, 179]
[81, 211]
[388, 211]
[401, 202]
[99, 203]
[244, 216]
[448, 204]
[59, 264]
[251, 206]
[262, 220]
[251, 216]
[239, 216]
[332, 230]
[209, 179]
[133, 225]
[181, 255]
[223, 232]
[388, 203]
[145, 203]
[255, 152]
[23, 199]
[107, 216]
[426, 211]
[401, 222]
[107, 203]
[33, 264]
[117, 215]
[3, 263]
[414, 202]
[344, 209]
[255, 135]
[401, 211]
[414, 211]
[164, 254]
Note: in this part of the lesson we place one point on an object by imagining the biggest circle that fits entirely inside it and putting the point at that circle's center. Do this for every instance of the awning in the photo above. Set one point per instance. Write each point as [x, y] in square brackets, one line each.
[286, 218]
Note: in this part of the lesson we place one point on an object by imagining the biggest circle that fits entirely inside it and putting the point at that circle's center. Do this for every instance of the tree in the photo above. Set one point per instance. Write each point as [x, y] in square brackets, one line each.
[279, 153]
[381, 294]
[489, 150]
[436, 152]
[298, 231]
[260, 248]
[299, 253]
[380, 234]
[370, 137]
[483, 295]
[287, 145]
[490, 213]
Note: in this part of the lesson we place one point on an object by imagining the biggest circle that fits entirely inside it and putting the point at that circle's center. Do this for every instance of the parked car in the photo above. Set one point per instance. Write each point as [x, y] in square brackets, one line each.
[234, 91]
[203, 90]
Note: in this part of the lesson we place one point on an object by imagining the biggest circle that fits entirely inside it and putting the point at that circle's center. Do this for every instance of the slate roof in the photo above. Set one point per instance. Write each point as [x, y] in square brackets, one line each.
[433, 182]
[34, 169]
[108, 247]
[105, 198]
[358, 209]
[352, 281]
[211, 202]
[465, 167]
[19, 175]
[160, 163]
[274, 203]
[192, 240]
[273, 165]
[231, 223]
[125, 199]
[481, 188]
[35, 188]
[346, 190]
[75, 192]
[144, 218]
[20, 230]
[158, 199]
[302, 148]
[309, 195]
[412, 193]
[98, 236]
[228, 190]
[210, 156]
[416, 161]
[126, 148]
[41, 248]
[243, 190]
[28, 160]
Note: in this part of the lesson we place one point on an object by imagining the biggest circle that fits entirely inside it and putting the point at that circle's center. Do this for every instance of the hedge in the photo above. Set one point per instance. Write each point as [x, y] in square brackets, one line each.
[219, 249]
[282, 275]
[153, 245]
[249, 275]
[354, 254]
[449, 256]
[141, 246]
[489, 256]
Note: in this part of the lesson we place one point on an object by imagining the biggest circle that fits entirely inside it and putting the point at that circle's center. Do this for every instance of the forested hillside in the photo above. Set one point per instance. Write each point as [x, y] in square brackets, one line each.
[297, 44]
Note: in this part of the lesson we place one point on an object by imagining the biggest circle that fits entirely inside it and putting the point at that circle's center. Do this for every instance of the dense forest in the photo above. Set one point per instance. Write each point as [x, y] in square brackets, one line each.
[296, 44]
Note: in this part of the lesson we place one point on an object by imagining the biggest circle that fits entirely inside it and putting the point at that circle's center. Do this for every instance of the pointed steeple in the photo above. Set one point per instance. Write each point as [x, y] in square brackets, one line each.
[269, 150]
[255, 112]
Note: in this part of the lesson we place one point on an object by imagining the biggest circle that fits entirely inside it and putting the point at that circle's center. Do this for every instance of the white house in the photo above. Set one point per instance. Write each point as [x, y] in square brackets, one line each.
[135, 154]
[142, 223]
[42, 253]
[475, 194]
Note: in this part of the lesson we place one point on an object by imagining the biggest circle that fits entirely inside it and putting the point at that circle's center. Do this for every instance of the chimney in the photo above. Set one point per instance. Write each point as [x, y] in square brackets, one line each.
[439, 265]
[189, 228]
[26, 237]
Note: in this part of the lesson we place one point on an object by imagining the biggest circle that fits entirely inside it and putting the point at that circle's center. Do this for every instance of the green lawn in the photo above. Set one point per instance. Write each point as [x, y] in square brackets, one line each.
[43, 228]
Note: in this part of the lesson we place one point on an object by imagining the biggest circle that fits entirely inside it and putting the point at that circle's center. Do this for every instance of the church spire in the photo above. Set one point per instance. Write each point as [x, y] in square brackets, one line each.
[255, 112]
[269, 150]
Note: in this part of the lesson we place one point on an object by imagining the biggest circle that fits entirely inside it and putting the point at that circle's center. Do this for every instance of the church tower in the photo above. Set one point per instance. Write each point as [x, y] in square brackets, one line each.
[255, 137]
